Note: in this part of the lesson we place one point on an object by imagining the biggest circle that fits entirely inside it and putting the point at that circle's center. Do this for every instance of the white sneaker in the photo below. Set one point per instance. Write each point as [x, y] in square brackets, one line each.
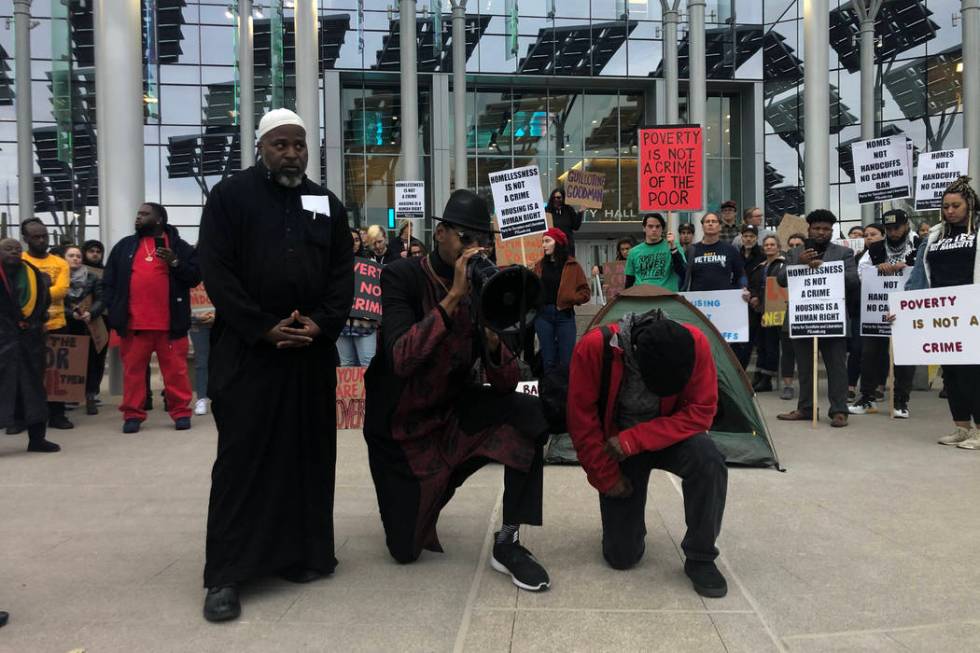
[900, 411]
[201, 406]
[863, 406]
[960, 434]
[973, 442]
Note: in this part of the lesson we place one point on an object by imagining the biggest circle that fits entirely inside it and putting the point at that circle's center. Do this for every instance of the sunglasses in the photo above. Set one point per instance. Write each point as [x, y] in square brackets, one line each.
[473, 237]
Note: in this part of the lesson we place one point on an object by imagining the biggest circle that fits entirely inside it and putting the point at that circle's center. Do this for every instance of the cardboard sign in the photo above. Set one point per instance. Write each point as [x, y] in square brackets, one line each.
[726, 310]
[518, 202]
[939, 326]
[525, 250]
[409, 199]
[816, 300]
[776, 303]
[584, 189]
[200, 302]
[350, 397]
[789, 225]
[367, 290]
[671, 168]
[875, 289]
[613, 279]
[881, 169]
[937, 170]
[66, 364]
[96, 326]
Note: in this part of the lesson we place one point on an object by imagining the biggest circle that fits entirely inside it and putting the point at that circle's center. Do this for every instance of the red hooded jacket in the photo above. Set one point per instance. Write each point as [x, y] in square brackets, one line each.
[681, 416]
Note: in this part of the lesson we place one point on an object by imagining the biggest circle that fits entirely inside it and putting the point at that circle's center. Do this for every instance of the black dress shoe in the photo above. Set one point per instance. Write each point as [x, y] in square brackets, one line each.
[41, 445]
[60, 422]
[4, 617]
[222, 604]
[299, 574]
[706, 578]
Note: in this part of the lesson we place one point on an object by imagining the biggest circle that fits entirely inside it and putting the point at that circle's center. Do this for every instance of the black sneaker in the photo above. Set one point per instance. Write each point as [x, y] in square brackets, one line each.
[41, 445]
[222, 604]
[182, 423]
[517, 562]
[60, 422]
[131, 426]
[706, 578]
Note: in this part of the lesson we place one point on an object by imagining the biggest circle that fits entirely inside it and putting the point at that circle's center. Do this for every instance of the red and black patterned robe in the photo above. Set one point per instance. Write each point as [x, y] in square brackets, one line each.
[429, 421]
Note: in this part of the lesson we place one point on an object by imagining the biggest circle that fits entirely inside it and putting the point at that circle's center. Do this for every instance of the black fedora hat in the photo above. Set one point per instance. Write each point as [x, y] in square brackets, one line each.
[468, 210]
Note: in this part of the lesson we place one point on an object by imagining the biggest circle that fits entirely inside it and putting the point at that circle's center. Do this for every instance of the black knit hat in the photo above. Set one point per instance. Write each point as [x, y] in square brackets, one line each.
[664, 350]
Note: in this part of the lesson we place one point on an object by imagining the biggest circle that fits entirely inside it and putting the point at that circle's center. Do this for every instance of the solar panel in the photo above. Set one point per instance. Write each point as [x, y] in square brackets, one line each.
[927, 86]
[786, 116]
[899, 26]
[575, 50]
[429, 59]
[725, 48]
[6, 83]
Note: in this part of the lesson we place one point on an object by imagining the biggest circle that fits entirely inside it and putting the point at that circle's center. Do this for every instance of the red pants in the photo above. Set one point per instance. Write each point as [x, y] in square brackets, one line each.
[135, 349]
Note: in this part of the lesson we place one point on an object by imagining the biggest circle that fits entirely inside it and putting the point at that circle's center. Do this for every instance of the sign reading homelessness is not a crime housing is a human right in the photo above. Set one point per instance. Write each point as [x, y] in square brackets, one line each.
[816, 300]
[518, 202]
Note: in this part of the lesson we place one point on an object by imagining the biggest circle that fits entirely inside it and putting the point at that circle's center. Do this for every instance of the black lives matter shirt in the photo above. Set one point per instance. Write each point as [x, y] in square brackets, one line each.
[715, 267]
[951, 258]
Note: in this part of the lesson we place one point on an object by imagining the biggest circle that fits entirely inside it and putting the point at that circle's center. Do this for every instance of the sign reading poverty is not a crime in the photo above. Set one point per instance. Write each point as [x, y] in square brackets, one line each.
[726, 310]
[671, 168]
[367, 290]
[518, 202]
[410, 199]
[584, 189]
[881, 169]
[937, 170]
[938, 326]
[816, 300]
[876, 286]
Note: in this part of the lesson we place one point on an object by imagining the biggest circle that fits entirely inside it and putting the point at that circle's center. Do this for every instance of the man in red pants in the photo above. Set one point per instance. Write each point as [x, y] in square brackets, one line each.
[147, 280]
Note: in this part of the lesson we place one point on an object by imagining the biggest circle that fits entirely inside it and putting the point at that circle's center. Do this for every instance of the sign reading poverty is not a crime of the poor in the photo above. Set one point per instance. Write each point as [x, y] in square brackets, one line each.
[881, 169]
[584, 189]
[410, 199]
[671, 168]
[937, 170]
[518, 202]
[876, 286]
[816, 300]
[367, 290]
[726, 310]
[938, 326]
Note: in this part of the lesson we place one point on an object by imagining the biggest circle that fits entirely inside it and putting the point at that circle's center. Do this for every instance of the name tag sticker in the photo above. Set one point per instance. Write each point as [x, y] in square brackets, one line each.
[316, 204]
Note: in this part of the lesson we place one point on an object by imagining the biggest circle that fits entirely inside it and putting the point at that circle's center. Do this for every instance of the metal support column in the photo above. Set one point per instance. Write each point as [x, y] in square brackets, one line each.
[672, 99]
[246, 84]
[459, 93]
[867, 11]
[697, 90]
[333, 133]
[22, 85]
[440, 145]
[970, 14]
[816, 104]
[305, 19]
[408, 48]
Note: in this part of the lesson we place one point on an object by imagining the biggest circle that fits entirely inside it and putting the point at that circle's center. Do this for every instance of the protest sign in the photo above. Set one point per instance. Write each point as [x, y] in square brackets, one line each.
[881, 169]
[527, 388]
[875, 289]
[939, 326]
[937, 170]
[200, 302]
[776, 303]
[409, 199]
[789, 225]
[350, 397]
[66, 363]
[855, 244]
[613, 279]
[584, 189]
[518, 203]
[524, 250]
[367, 290]
[671, 168]
[816, 300]
[726, 310]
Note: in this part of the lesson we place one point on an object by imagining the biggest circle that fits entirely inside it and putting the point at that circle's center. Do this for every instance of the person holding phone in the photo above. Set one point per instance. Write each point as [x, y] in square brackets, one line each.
[146, 289]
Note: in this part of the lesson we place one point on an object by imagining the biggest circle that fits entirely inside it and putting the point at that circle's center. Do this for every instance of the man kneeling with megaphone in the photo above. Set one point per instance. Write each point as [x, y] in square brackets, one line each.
[429, 420]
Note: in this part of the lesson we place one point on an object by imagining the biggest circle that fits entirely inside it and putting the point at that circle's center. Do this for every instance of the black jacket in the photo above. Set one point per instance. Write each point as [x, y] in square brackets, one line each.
[119, 270]
[568, 220]
[22, 353]
[93, 287]
[878, 254]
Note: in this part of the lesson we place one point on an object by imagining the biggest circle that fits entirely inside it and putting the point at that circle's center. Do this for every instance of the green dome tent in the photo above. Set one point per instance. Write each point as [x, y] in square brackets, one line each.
[739, 429]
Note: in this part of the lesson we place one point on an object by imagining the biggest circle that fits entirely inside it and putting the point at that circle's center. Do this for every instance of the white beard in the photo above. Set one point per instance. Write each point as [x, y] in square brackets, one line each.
[289, 181]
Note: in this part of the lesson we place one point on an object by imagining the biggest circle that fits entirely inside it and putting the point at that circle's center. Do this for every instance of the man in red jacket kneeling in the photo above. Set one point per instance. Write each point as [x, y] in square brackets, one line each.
[662, 397]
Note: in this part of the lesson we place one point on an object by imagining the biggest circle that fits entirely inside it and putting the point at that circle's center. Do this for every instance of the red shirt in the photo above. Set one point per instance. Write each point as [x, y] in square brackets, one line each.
[149, 289]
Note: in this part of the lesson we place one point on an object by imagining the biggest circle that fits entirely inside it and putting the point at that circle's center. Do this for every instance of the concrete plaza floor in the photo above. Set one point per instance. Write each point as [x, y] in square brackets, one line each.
[868, 542]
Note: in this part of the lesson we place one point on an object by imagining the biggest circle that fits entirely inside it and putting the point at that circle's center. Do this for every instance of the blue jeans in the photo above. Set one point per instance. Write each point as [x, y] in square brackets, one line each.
[556, 336]
[201, 338]
[357, 351]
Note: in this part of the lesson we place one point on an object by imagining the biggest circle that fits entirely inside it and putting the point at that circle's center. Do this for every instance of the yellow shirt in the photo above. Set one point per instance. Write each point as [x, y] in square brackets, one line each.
[57, 270]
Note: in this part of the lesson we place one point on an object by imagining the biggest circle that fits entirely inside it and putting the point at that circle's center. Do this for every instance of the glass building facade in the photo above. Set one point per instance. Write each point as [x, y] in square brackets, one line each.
[558, 83]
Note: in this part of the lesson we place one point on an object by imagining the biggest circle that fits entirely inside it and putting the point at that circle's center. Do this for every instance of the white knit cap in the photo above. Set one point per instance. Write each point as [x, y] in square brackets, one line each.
[278, 118]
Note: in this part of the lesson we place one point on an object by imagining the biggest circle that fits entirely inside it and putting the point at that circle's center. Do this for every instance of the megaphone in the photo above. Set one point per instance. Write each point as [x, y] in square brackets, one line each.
[507, 298]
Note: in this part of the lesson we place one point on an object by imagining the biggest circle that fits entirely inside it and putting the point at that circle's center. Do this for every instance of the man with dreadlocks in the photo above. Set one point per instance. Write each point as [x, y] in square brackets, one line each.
[949, 258]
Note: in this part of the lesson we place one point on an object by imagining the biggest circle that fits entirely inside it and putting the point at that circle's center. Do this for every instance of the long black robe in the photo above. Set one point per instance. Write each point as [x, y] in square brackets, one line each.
[272, 486]
[22, 346]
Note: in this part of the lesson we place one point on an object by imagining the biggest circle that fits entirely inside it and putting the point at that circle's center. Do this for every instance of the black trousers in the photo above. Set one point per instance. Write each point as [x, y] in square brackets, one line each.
[787, 355]
[855, 353]
[768, 358]
[963, 392]
[874, 370]
[705, 483]
[834, 353]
